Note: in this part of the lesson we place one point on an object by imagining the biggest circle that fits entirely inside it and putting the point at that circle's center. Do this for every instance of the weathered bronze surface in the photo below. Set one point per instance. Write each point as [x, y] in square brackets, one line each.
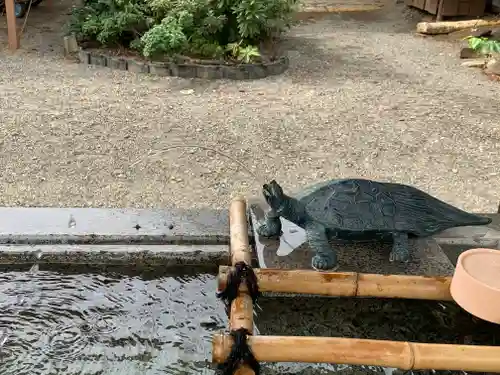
[359, 210]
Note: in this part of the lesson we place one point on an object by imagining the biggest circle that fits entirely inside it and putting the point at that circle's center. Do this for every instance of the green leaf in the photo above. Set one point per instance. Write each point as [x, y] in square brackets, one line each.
[475, 43]
[495, 46]
[247, 54]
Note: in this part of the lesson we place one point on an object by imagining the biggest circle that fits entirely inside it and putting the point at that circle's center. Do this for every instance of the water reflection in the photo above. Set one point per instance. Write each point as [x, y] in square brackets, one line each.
[94, 324]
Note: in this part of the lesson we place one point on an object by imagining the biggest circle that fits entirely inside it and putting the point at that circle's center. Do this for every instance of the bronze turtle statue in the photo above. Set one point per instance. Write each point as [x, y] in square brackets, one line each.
[360, 209]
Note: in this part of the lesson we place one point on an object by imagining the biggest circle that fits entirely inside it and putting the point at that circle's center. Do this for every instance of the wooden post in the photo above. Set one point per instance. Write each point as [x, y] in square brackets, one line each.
[347, 284]
[11, 25]
[242, 307]
[395, 354]
[439, 12]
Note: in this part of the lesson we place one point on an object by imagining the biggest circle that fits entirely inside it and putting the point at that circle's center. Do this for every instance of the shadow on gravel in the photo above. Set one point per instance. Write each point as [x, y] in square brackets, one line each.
[312, 59]
[392, 18]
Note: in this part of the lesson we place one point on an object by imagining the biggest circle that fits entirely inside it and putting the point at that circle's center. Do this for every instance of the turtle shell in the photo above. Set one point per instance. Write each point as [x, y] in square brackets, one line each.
[363, 205]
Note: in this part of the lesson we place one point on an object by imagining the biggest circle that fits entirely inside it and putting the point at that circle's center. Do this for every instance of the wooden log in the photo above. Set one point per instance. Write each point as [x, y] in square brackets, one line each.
[347, 284]
[395, 354]
[242, 307]
[446, 27]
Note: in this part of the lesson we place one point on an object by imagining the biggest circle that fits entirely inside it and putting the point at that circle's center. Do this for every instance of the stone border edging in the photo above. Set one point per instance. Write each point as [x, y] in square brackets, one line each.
[45, 225]
[117, 255]
[185, 69]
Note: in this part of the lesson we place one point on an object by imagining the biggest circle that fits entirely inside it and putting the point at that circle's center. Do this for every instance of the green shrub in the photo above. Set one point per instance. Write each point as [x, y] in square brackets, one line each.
[197, 28]
[111, 22]
[484, 45]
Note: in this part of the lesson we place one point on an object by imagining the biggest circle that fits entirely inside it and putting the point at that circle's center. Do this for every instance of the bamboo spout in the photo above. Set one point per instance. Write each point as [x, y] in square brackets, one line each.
[348, 284]
[396, 354]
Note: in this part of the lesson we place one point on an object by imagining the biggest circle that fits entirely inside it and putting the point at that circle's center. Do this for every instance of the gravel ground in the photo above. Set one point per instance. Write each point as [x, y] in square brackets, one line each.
[363, 97]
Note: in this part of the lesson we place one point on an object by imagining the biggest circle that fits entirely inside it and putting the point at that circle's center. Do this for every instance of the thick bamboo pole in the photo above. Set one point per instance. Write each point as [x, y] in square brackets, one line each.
[395, 354]
[347, 284]
[242, 307]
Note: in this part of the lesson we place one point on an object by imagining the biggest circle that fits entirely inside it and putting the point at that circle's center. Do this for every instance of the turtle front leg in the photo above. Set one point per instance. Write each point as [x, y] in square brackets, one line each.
[325, 257]
[271, 226]
[400, 249]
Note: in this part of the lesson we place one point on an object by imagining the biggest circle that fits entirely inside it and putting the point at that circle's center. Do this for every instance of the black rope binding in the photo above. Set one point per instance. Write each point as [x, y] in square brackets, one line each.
[241, 354]
[241, 272]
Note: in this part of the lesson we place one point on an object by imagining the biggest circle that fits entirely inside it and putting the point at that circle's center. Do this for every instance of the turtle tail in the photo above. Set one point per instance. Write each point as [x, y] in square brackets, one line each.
[469, 219]
[449, 216]
[446, 216]
[429, 215]
[456, 216]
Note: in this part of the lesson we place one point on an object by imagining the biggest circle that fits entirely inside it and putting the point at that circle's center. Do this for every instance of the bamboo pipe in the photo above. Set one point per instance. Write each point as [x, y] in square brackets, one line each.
[347, 284]
[242, 307]
[238, 231]
[396, 354]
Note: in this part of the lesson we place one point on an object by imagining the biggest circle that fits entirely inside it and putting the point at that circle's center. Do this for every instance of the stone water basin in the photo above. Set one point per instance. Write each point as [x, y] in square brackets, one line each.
[86, 320]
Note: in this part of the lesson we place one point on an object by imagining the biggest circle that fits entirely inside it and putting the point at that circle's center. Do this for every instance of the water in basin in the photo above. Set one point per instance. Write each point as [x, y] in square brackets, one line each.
[106, 324]
[84, 322]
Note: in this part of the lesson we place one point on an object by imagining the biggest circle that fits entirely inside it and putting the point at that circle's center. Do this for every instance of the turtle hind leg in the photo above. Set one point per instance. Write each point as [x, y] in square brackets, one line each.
[400, 248]
[325, 257]
[270, 227]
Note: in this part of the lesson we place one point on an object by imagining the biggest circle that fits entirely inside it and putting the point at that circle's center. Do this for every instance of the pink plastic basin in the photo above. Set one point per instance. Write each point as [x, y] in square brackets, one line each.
[476, 283]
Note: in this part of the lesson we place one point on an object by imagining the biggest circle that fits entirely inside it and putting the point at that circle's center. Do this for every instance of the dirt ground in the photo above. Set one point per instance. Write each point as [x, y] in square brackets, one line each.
[363, 97]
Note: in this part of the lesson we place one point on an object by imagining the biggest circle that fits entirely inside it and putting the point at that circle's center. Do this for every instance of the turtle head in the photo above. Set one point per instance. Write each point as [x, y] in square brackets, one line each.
[273, 193]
